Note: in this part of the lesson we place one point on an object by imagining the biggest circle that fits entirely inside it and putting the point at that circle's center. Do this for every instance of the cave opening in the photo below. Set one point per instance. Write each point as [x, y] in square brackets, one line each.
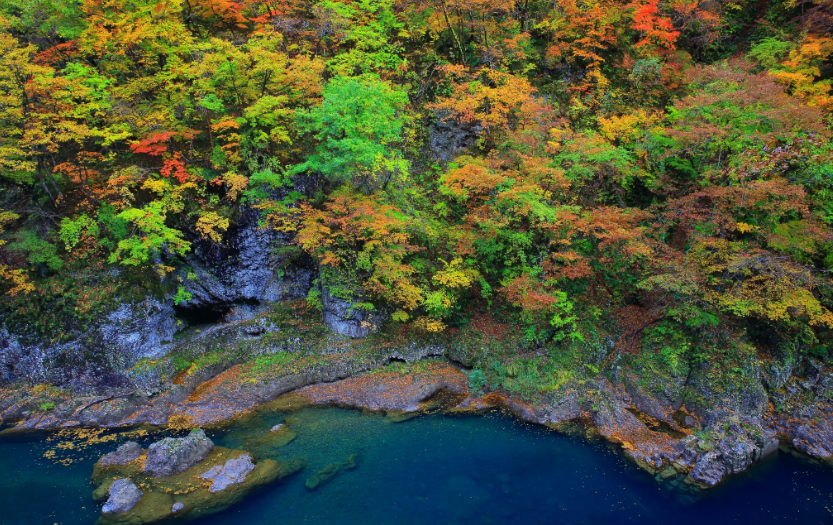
[203, 315]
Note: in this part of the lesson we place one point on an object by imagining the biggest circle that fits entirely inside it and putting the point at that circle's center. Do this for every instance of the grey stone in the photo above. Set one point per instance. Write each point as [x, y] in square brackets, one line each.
[738, 455]
[824, 387]
[448, 139]
[174, 455]
[555, 408]
[124, 495]
[93, 360]
[343, 318]
[815, 439]
[245, 270]
[177, 507]
[126, 453]
[233, 471]
[709, 469]
[277, 428]
[139, 330]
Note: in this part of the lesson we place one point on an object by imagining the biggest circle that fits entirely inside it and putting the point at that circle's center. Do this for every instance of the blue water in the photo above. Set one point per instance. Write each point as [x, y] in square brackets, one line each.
[434, 469]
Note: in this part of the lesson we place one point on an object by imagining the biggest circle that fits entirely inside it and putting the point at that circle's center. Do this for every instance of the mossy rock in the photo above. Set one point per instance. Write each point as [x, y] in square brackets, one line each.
[187, 488]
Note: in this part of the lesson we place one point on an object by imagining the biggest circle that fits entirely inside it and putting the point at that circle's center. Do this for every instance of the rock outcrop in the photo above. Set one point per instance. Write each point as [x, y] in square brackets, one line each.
[344, 318]
[388, 391]
[246, 270]
[177, 496]
[93, 361]
[815, 438]
[174, 455]
[231, 472]
[125, 454]
[124, 495]
[729, 447]
[449, 139]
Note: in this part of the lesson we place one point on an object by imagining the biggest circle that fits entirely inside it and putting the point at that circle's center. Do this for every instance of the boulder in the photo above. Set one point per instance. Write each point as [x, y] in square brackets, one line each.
[177, 507]
[174, 455]
[233, 471]
[124, 495]
[126, 453]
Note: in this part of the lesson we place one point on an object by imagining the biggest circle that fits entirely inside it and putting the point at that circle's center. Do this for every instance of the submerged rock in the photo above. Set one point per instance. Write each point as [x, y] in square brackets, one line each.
[126, 453]
[325, 475]
[177, 507]
[124, 495]
[265, 444]
[233, 471]
[174, 455]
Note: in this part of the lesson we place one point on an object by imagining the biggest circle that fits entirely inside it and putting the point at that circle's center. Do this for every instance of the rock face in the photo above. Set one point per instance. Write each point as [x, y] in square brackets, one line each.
[709, 469]
[124, 495]
[815, 438]
[341, 317]
[174, 455]
[233, 471]
[449, 139]
[730, 447]
[388, 391]
[553, 409]
[245, 271]
[96, 359]
[126, 453]
[140, 330]
[642, 444]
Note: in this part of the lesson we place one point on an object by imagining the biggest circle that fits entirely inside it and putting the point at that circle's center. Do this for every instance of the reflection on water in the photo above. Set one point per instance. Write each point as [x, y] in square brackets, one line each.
[432, 469]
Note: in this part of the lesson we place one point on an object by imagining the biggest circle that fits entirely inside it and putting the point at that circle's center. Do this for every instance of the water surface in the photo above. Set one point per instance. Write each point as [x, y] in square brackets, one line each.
[433, 469]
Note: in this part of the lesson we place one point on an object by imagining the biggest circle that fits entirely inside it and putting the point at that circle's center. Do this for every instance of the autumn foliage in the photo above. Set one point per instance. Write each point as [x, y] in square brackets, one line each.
[551, 163]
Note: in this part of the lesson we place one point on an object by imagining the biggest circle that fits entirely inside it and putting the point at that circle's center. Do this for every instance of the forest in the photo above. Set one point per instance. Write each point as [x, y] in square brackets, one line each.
[662, 164]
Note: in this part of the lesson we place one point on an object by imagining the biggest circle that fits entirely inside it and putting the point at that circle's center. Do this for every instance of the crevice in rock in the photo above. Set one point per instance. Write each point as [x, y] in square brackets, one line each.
[656, 425]
[203, 315]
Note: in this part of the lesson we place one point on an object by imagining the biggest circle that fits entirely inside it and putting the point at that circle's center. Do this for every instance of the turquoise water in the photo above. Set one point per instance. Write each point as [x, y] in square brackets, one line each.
[434, 469]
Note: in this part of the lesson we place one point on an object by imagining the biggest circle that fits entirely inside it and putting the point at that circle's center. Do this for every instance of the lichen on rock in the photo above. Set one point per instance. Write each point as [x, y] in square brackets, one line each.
[184, 494]
[175, 455]
[124, 495]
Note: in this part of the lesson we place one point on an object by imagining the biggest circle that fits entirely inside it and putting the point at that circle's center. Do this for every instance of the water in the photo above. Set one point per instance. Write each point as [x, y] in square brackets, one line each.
[434, 469]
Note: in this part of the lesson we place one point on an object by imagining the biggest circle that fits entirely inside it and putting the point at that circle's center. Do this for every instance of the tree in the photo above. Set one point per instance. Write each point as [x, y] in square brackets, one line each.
[358, 128]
